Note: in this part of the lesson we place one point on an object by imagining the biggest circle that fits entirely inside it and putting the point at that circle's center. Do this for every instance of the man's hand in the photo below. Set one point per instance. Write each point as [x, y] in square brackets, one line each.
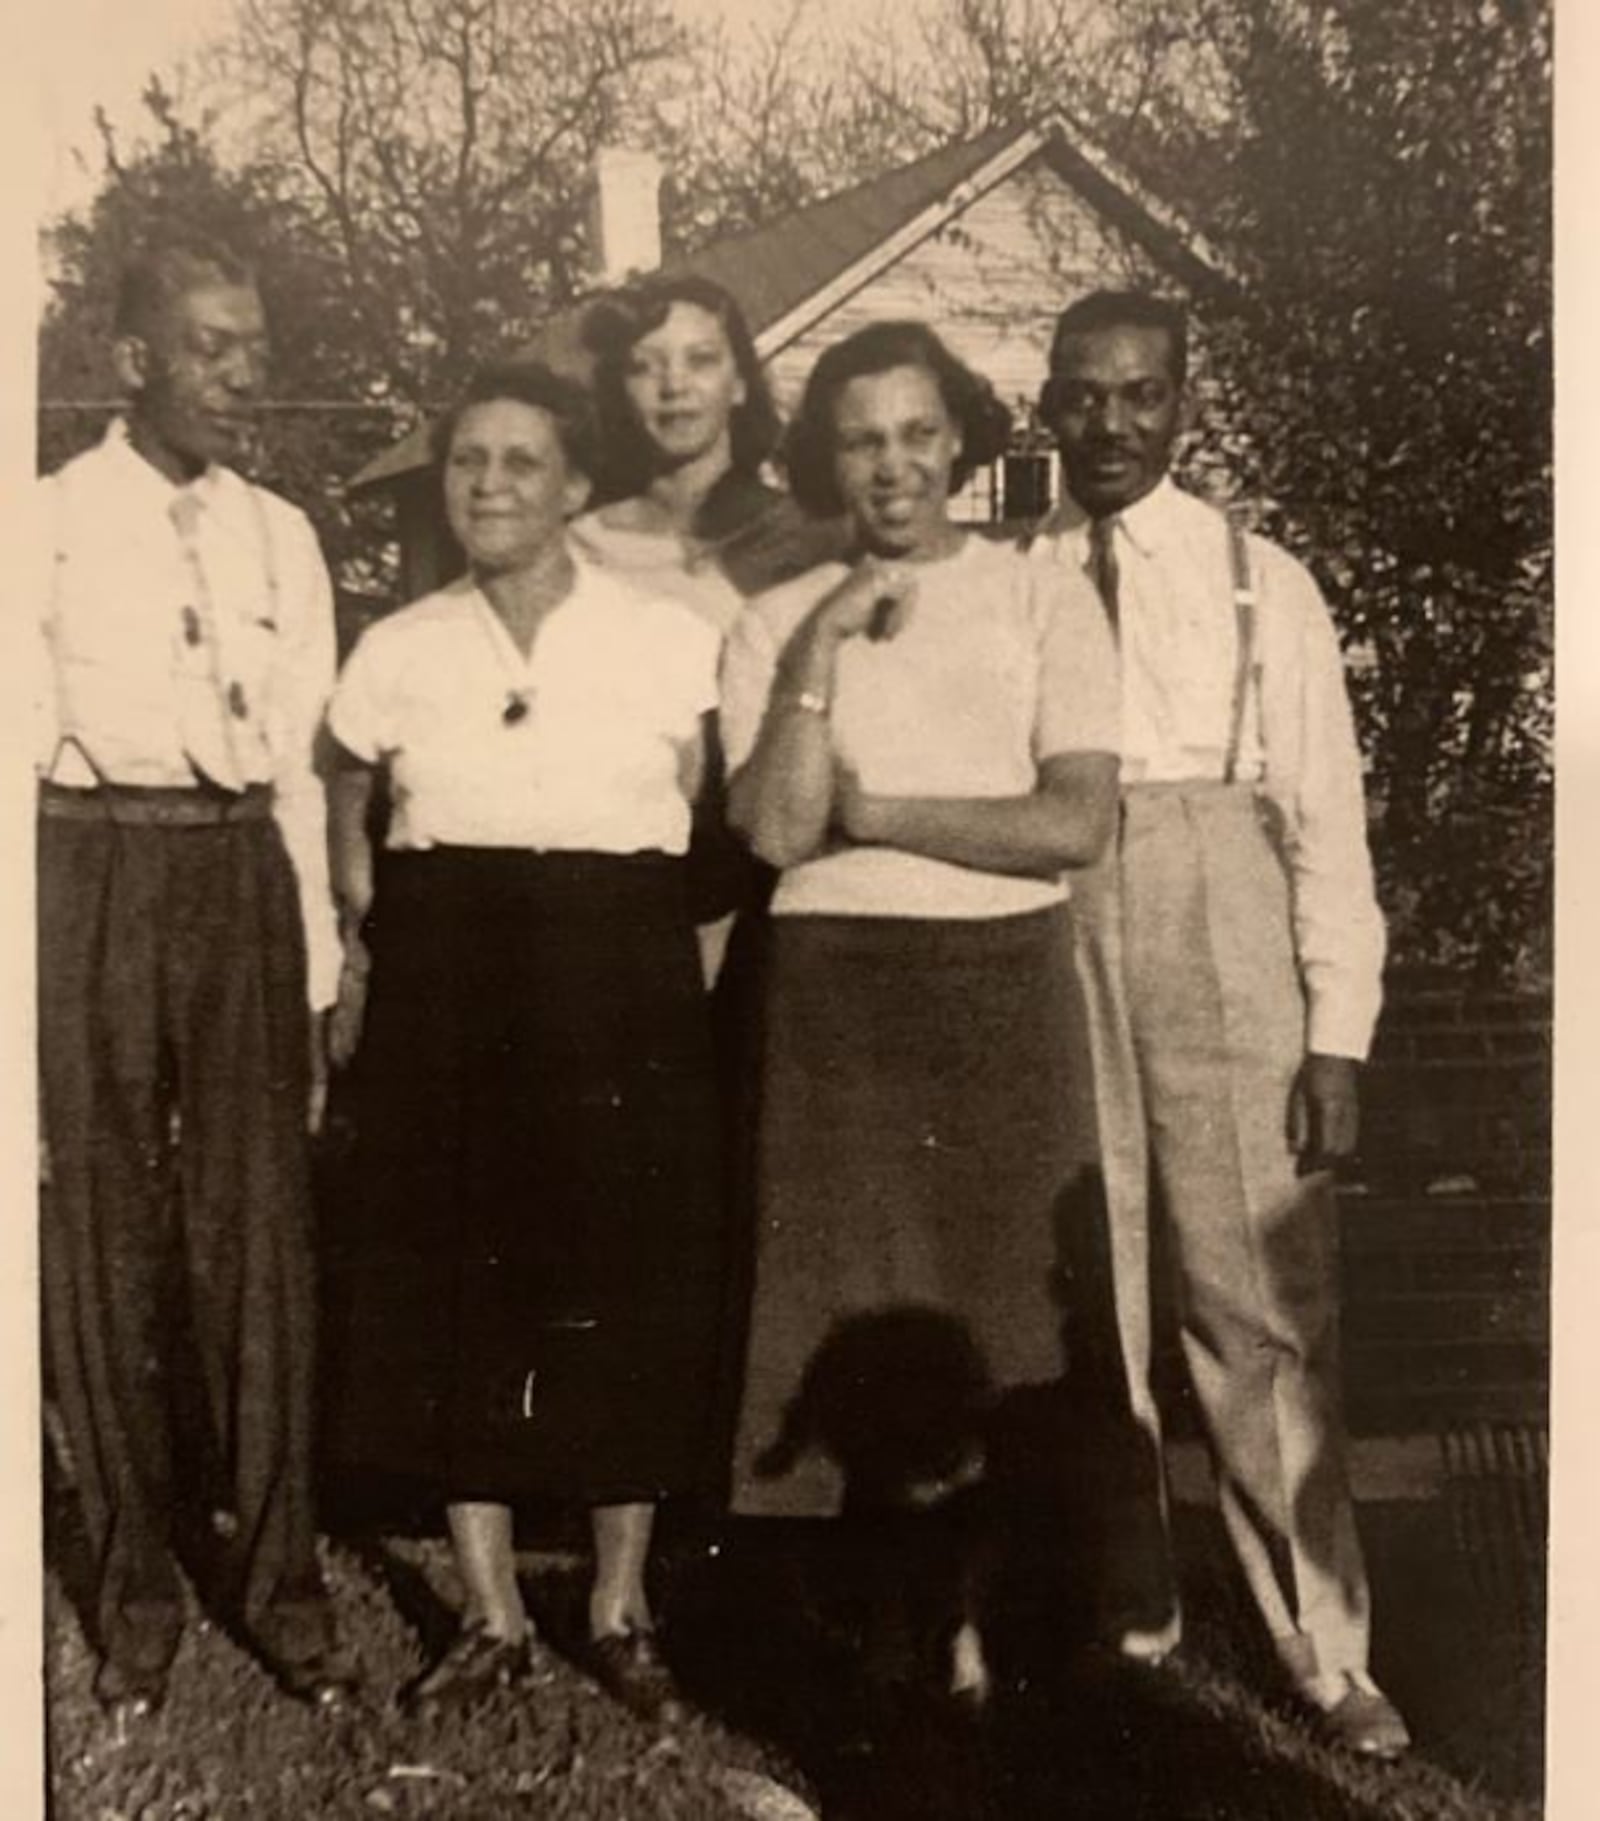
[318, 1103]
[1324, 1112]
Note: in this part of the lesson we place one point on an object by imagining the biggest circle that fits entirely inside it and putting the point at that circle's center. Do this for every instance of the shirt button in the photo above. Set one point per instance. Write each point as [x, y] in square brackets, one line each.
[237, 705]
[191, 626]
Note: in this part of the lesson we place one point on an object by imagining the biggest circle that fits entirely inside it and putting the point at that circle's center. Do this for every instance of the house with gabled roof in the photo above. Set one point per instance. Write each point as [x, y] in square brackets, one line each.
[986, 240]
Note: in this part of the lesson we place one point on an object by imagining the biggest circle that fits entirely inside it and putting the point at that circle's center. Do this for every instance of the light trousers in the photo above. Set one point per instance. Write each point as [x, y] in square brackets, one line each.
[1197, 1024]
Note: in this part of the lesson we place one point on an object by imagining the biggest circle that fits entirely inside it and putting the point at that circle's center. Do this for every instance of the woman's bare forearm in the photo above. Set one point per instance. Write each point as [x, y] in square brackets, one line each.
[1064, 822]
[781, 799]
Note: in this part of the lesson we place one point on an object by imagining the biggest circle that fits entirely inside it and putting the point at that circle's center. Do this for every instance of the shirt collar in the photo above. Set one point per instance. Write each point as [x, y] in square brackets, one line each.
[587, 575]
[1148, 522]
[141, 479]
[1152, 521]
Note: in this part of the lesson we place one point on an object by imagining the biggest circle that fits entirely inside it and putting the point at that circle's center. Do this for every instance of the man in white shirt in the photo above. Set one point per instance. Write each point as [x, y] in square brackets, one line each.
[186, 952]
[1231, 951]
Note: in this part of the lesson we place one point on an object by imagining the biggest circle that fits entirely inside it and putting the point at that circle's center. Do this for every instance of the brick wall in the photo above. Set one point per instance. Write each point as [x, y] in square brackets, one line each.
[1447, 1228]
[1445, 1225]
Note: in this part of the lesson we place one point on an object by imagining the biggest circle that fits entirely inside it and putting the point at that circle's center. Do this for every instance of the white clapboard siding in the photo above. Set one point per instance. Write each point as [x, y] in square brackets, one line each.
[991, 282]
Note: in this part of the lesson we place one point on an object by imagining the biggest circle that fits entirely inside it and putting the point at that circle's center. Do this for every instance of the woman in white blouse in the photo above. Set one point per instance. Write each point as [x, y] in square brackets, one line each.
[534, 1304]
[922, 738]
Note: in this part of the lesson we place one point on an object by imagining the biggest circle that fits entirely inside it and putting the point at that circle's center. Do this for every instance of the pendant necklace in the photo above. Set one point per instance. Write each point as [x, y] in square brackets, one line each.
[519, 697]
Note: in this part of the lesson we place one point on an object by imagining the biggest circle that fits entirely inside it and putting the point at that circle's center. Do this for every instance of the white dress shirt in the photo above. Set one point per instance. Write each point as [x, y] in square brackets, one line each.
[116, 596]
[612, 691]
[1178, 638]
[1000, 665]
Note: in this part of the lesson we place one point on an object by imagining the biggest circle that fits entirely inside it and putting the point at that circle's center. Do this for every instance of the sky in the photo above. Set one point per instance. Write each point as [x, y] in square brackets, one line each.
[100, 52]
[90, 53]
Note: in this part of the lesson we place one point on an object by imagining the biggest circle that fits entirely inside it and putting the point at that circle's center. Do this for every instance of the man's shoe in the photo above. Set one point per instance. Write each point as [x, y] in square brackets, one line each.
[127, 1696]
[475, 1666]
[1149, 1647]
[329, 1682]
[629, 1666]
[1355, 1715]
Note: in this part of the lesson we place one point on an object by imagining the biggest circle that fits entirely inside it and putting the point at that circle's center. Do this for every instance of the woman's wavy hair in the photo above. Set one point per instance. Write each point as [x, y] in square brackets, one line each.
[616, 322]
[808, 453]
[526, 382]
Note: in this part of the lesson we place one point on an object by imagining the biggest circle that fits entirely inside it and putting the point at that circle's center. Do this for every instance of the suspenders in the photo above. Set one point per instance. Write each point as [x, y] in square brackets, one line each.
[66, 733]
[1244, 613]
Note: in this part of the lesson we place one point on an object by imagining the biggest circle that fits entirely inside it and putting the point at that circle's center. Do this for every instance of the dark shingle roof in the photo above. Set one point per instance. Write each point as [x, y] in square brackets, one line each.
[772, 270]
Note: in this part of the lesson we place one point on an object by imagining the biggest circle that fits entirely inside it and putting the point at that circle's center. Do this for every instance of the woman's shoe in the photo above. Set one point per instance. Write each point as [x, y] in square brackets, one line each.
[628, 1665]
[328, 1682]
[129, 1695]
[476, 1665]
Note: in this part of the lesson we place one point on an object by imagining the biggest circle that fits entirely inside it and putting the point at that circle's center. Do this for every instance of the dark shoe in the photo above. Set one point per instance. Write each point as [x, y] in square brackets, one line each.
[329, 1682]
[127, 1696]
[1362, 1719]
[476, 1665]
[628, 1665]
[1146, 1645]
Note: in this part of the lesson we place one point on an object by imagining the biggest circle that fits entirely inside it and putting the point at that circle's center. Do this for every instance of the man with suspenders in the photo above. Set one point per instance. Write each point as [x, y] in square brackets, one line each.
[1230, 949]
[186, 950]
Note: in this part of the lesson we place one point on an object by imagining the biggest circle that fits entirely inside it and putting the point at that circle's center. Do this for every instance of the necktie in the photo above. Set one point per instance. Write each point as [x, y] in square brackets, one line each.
[213, 712]
[1102, 566]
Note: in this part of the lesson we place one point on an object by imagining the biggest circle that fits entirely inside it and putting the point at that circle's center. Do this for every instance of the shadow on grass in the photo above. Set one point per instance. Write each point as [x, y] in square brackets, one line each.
[763, 1649]
[415, 1598]
[766, 1623]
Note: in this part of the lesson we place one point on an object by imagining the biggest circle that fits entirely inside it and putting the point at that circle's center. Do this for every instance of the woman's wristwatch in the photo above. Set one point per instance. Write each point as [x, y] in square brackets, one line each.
[807, 701]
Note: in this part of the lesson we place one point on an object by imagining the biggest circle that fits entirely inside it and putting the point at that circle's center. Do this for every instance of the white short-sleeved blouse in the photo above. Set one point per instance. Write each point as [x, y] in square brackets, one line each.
[1001, 664]
[616, 683]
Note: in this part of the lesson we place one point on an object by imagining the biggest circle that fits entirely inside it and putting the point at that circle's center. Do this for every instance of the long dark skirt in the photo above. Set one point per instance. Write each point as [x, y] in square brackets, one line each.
[534, 1282]
[921, 1128]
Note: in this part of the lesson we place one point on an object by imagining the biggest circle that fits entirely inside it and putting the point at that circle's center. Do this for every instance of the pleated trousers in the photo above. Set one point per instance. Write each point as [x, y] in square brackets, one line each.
[1197, 1026]
[176, 1239]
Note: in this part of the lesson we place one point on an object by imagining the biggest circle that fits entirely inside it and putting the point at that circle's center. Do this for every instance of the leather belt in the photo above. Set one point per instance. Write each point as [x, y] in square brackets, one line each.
[145, 806]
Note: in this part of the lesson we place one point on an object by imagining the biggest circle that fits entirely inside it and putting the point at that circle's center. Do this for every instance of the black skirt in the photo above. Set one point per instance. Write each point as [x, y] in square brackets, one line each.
[533, 1267]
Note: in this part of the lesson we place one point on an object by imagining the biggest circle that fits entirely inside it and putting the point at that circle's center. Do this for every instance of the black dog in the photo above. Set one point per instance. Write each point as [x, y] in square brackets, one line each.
[900, 1400]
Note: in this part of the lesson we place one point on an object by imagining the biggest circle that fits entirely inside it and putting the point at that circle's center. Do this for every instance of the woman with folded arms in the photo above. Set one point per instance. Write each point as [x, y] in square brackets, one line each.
[922, 738]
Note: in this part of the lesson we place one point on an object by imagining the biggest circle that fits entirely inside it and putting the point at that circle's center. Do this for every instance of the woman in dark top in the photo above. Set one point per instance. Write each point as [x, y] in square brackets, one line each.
[687, 423]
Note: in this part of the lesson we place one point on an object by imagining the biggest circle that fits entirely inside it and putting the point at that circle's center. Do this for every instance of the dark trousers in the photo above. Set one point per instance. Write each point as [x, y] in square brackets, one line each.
[174, 1049]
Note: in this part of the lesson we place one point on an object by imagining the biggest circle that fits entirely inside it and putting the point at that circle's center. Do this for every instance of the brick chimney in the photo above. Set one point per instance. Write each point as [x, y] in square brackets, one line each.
[626, 216]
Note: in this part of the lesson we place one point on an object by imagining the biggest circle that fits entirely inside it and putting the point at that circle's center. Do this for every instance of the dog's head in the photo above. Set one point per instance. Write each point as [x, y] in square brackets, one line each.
[899, 1400]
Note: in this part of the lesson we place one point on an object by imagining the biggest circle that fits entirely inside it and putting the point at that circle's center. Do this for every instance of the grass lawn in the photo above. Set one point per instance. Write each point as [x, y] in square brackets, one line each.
[783, 1706]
